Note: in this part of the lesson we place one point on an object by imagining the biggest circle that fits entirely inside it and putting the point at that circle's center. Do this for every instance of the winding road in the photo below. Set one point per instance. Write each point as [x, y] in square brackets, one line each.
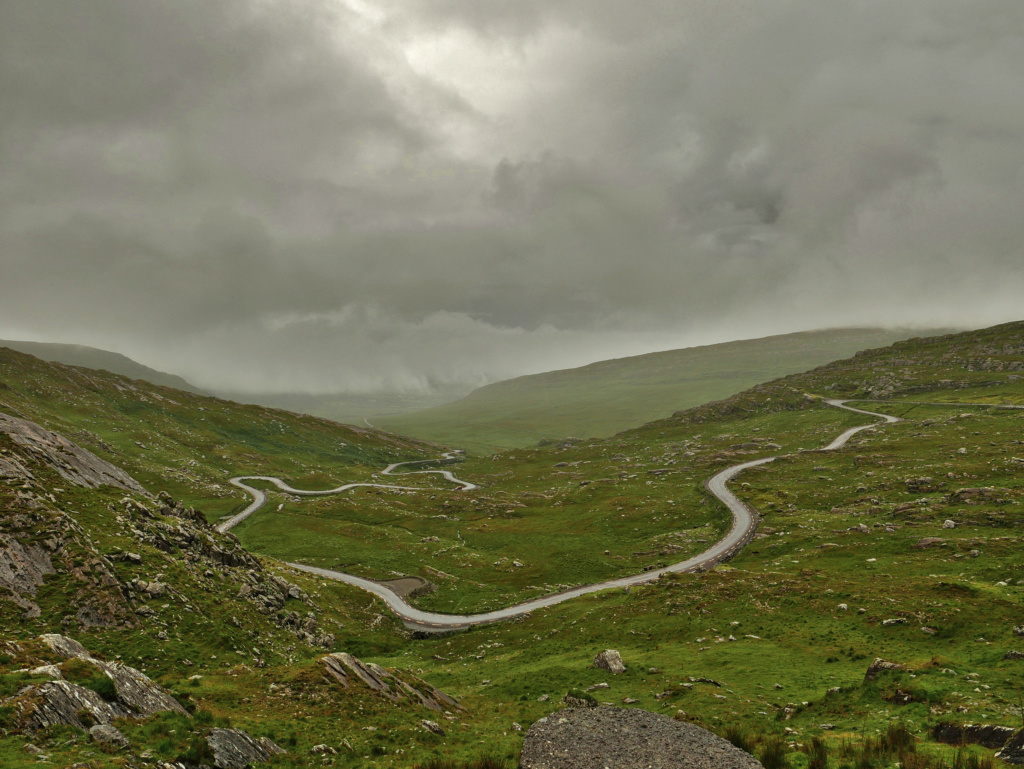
[744, 525]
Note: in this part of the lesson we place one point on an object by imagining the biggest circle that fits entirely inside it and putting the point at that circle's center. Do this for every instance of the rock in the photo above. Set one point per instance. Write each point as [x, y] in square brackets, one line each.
[73, 463]
[894, 621]
[626, 738]
[105, 733]
[22, 569]
[516, 726]
[234, 749]
[432, 726]
[322, 750]
[879, 665]
[64, 647]
[595, 687]
[975, 496]
[610, 660]
[1013, 751]
[1013, 655]
[1019, 630]
[926, 542]
[949, 524]
[343, 668]
[986, 735]
[843, 607]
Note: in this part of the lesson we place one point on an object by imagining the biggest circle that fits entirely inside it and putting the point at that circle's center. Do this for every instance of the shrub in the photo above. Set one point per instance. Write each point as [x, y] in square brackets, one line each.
[740, 738]
[773, 754]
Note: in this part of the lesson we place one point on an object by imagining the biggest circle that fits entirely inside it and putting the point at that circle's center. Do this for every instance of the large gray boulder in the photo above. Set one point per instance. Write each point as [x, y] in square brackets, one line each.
[611, 661]
[626, 738]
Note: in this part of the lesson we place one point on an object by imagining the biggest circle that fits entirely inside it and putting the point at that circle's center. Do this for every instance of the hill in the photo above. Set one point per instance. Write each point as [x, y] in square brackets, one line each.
[603, 398]
[902, 547]
[102, 360]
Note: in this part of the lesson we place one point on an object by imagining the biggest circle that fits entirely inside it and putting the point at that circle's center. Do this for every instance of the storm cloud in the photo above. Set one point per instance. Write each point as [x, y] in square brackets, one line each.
[394, 194]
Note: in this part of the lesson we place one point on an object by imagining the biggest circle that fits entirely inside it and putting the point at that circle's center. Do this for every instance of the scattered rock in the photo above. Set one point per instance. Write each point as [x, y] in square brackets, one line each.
[1013, 655]
[234, 749]
[949, 524]
[926, 542]
[611, 661]
[894, 621]
[595, 687]
[626, 738]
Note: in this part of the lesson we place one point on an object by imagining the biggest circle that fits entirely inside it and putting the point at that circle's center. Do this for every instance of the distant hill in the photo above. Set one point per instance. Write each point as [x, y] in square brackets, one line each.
[102, 360]
[604, 398]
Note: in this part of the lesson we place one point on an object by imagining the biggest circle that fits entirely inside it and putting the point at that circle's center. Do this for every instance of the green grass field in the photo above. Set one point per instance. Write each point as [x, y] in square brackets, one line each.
[841, 528]
[604, 398]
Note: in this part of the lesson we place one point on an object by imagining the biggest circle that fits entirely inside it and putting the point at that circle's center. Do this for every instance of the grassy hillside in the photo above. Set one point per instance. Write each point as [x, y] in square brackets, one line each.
[603, 398]
[102, 360]
[768, 648]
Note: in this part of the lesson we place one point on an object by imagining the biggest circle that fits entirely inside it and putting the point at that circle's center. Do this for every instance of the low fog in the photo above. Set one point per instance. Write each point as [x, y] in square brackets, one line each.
[350, 196]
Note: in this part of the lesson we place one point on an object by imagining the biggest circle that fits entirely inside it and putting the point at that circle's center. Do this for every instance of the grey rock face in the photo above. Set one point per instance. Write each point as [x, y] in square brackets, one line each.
[72, 462]
[611, 661]
[60, 702]
[234, 749]
[344, 668]
[22, 568]
[626, 738]
[1013, 750]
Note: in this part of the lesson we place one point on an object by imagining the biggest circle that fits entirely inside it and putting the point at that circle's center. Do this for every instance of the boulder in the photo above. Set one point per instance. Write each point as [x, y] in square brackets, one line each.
[626, 738]
[986, 735]
[107, 734]
[926, 542]
[611, 661]
[234, 749]
[878, 666]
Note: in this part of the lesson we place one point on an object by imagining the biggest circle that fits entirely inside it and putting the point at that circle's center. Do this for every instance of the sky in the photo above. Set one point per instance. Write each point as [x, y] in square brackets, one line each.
[399, 195]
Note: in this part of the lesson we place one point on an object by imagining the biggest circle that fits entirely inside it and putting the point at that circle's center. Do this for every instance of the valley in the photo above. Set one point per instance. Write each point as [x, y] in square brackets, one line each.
[904, 545]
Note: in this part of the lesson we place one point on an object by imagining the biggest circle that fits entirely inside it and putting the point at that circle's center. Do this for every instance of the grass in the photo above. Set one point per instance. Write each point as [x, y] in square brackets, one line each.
[798, 660]
[601, 399]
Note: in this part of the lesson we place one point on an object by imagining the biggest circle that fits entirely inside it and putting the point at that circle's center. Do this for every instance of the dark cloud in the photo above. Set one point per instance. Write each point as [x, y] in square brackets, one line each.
[310, 196]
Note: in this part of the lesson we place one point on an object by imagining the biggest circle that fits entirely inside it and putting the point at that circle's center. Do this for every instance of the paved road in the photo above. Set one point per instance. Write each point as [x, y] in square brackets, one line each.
[744, 526]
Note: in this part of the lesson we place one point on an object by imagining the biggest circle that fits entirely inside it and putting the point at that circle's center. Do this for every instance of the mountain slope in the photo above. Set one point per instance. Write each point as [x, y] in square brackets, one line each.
[103, 360]
[605, 397]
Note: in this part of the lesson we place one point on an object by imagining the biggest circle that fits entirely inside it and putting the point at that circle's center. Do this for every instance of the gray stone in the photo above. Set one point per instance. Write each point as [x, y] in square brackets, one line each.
[432, 726]
[108, 734]
[879, 665]
[986, 735]
[234, 749]
[344, 668]
[1013, 751]
[72, 462]
[626, 738]
[611, 661]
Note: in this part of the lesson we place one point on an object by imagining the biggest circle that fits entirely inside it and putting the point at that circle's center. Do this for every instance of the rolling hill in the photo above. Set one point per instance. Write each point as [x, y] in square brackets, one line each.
[603, 398]
[101, 360]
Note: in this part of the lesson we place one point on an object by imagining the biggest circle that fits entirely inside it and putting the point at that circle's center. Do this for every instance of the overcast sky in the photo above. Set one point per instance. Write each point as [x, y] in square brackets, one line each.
[356, 194]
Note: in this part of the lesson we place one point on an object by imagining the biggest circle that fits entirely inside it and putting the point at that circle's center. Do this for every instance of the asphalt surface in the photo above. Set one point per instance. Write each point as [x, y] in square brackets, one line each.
[744, 526]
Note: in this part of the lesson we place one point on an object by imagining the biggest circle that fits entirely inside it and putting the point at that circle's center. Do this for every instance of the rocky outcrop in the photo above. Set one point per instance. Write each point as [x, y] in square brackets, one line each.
[346, 669]
[71, 462]
[234, 749]
[64, 703]
[1013, 751]
[22, 568]
[986, 735]
[611, 661]
[626, 738]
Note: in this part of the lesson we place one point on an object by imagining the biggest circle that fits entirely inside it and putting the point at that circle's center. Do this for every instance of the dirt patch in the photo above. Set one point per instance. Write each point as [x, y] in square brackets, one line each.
[410, 587]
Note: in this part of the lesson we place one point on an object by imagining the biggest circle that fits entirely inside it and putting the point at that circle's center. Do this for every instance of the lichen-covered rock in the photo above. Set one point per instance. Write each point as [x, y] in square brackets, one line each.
[107, 734]
[395, 686]
[234, 749]
[72, 462]
[611, 661]
[626, 738]
[22, 568]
